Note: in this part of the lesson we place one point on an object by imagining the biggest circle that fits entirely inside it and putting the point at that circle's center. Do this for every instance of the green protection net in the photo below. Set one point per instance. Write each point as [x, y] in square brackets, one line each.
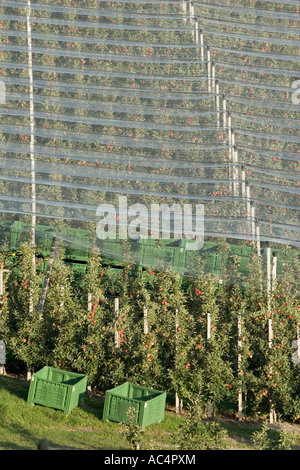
[150, 128]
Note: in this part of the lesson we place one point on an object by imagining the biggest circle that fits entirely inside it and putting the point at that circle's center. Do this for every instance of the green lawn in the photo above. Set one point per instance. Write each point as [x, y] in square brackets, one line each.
[22, 426]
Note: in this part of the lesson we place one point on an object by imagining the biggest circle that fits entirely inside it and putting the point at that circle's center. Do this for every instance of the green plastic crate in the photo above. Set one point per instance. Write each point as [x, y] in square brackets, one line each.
[149, 403]
[57, 388]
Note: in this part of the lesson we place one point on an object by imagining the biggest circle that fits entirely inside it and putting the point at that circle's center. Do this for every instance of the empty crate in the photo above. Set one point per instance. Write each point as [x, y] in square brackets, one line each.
[56, 388]
[149, 404]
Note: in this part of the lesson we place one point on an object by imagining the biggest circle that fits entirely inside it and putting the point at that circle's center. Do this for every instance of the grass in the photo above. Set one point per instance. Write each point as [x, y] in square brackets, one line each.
[23, 426]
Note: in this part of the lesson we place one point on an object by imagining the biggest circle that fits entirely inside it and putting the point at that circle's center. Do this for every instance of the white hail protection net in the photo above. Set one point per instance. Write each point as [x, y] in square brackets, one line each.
[186, 104]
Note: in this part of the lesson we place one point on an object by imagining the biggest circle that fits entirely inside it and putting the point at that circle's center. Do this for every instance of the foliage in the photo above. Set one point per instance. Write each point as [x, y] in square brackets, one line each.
[197, 434]
[131, 431]
[263, 439]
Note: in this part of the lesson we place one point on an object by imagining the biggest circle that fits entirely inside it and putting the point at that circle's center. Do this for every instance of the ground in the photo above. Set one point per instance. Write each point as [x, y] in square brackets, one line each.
[23, 426]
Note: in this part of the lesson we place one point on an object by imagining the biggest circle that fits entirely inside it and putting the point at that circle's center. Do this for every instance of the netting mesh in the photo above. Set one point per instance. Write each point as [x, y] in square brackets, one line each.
[173, 102]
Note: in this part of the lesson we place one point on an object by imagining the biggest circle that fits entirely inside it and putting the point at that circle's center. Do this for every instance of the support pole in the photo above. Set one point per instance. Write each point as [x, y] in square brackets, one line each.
[257, 234]
[32, 155]
[89, 308]
[52, 256]
[248, 200]
[1, 282]
[235, 169]
[243, 178]
[274, 269]
[218, 104]
[230, 152]
[224, 104]
[196, 32]
[239, 364]
[62, 294]
[192, 11]
[298, 343]
[208, 336]
[269, 284]
[146, 329]
[117, 335]
[202, 46]
[213, 76]
[272, 414]
[252, 209]
[89, 303]
[184, 9]
[208, 331]
[2, 92]
[177, 401]
[208, 69]
[32, 124]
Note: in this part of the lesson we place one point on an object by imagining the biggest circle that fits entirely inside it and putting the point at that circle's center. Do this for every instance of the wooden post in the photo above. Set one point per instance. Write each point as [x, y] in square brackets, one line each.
[2, 92]
[177, 401]
[274, 269]
[235, 169]
[62, 294]
[183, 6]
[270, 323]
[2, 356]
[252, 211]
[89, 304]
[31, 144]
[224, 103]
[202, 46]
[196, 34]
[230, 151]
[146, 329]
[298, 343]
[208, 328]
[117, 335]
[192, 11]
[248, 200]
[218, 104]
[1, 281]
[208, 69]
[257, 234]
[243, 178]
[52, 256]
[239, 364]
[213, 76]
[269, 278]
[89, 309]
[208, 336]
